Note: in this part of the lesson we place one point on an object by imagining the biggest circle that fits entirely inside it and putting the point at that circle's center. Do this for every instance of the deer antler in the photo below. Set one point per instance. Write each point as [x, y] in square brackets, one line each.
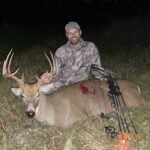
[6, 68]
[53, 65]
[47, 77]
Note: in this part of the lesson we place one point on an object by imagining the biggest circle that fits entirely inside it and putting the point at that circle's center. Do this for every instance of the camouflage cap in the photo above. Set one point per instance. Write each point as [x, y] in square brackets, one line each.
[71, 25]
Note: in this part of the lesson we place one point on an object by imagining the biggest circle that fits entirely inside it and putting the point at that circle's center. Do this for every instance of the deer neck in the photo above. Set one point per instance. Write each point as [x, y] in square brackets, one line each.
[41, 114]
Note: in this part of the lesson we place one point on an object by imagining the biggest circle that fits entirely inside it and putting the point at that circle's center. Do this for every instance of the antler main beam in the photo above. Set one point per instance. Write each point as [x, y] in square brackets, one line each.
[6, 68]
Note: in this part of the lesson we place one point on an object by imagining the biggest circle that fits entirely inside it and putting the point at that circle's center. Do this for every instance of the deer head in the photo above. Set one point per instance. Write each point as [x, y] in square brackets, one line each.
[28, 92]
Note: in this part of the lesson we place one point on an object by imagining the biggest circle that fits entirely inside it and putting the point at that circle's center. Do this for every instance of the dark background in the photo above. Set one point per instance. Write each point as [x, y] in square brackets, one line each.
[110, 24]
[48, 11]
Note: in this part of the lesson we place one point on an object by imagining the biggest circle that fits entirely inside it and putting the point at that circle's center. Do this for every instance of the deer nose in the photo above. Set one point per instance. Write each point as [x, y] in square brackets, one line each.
[30, 113]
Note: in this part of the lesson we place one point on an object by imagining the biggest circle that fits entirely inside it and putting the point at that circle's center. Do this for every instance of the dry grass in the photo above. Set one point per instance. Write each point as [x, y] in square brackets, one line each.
[17, 132]
[20, 133]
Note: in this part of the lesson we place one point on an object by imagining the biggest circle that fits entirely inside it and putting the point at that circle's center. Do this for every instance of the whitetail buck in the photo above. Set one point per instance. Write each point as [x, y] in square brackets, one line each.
[69, 103]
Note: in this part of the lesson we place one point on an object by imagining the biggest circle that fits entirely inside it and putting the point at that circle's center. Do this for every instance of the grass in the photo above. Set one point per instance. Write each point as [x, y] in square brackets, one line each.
[128, 58]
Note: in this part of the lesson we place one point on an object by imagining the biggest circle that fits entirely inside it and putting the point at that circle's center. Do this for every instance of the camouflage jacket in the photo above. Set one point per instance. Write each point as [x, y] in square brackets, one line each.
[75, 64]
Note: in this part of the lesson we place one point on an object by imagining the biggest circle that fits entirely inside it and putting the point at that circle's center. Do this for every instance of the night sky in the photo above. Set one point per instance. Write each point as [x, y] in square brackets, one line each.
[42, 11]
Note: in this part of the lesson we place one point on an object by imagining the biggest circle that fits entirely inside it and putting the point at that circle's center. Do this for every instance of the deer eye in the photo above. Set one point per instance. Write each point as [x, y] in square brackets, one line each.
[24, 98]
[21, 96]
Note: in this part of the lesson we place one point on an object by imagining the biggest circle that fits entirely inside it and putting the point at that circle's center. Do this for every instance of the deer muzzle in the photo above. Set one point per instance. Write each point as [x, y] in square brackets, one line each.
[30, 113]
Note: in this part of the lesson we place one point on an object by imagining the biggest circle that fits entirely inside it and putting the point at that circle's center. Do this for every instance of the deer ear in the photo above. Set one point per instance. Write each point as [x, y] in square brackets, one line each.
[16, 91]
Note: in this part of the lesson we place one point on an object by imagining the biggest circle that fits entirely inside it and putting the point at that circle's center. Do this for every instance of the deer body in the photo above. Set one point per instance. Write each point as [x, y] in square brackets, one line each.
[71, 103]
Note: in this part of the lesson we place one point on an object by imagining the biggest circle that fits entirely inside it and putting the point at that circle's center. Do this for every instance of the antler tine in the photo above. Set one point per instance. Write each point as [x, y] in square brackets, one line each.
[53, 61]
[49, 61]
[9, 64]
[6, 68]
[57, 71]
[5, 64]
[53, 64]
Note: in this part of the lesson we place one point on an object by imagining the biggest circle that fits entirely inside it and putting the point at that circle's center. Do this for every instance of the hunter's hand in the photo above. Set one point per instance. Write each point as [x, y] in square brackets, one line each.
[46, 78]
